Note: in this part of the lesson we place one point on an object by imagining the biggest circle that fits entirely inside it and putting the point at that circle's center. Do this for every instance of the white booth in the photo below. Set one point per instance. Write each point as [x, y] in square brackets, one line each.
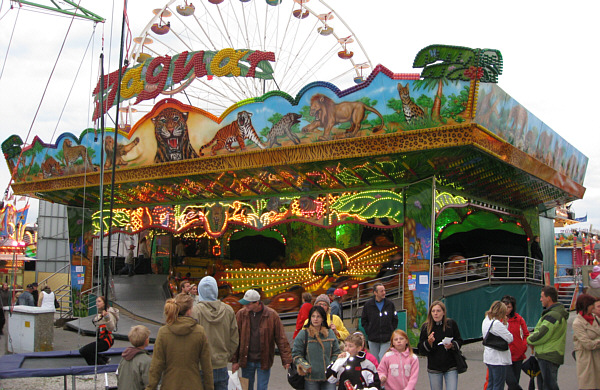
[30, 329]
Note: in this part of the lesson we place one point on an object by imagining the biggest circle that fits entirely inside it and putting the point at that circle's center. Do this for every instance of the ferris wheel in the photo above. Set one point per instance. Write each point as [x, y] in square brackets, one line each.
[310, 42]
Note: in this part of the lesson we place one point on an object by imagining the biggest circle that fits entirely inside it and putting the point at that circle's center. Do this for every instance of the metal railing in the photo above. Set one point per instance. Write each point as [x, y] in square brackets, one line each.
[568, 273]
[490, 268]
[52, 275]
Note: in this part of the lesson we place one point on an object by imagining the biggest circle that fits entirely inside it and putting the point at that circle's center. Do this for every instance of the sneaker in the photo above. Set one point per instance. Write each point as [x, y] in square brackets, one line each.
[107, 361]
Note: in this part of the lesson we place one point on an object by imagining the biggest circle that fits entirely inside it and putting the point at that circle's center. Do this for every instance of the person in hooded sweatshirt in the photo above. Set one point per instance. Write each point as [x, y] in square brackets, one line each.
[135, 360]
[180, 349]
[219, 323]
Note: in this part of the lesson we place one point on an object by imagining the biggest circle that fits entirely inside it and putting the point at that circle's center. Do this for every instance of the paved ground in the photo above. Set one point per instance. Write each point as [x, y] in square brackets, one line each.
[142, 295]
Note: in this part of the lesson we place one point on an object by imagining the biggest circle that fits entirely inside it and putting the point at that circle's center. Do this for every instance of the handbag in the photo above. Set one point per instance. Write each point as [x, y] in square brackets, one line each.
[294, 378]
[461, 362]
[495, 342]
[531, 367]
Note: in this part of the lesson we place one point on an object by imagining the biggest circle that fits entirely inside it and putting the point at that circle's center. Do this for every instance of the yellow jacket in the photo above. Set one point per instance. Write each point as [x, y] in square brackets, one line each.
[340, 330]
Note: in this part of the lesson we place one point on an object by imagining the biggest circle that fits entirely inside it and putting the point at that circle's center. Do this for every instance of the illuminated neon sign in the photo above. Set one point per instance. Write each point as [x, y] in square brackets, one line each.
[161, 74]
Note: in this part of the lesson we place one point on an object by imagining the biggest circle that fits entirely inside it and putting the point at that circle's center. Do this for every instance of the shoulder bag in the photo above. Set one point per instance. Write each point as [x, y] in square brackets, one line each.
[495, 342]
[461, 362]
[294, 379]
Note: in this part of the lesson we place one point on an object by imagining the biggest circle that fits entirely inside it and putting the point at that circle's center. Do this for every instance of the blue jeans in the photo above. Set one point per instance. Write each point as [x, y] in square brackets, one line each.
[378, 349]
[262, 379]
[436, 380]
[497, 377]
[318, 385]
[220, 378]
[549, 372]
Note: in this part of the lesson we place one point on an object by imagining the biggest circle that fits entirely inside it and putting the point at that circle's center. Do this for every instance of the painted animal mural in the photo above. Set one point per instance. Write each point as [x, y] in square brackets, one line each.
[172, 136]
[284, 127]
[122, 150]
[518, 119]
[411, 109]
[238, 130]
[50, 167]
[328, 114]
[73, 153]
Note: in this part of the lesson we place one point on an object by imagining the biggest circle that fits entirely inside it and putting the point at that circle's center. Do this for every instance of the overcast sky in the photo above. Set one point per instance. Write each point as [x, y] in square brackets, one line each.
[550, 52]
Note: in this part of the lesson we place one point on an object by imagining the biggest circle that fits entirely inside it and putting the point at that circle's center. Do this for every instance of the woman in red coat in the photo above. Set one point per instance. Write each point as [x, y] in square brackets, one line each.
[518, 328]
[303, 313]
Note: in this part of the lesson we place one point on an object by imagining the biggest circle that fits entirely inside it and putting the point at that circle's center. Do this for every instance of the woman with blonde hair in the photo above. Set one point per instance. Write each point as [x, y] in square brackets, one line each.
[439, 337]
[496, 337]
[181, 350]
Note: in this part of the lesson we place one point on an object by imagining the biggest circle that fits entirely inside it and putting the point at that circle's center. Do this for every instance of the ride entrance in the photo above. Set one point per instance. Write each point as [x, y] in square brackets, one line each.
[422, 178]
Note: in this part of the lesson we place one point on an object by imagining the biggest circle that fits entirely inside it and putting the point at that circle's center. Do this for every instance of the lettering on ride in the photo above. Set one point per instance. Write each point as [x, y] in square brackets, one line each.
[160, 74]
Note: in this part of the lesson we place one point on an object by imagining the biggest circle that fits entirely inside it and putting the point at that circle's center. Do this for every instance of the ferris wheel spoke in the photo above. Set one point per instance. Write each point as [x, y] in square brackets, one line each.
[239, 26]
[311, 70]
[192, 32]
[226, 34]
[212, 44]
[214, 22]
[245, 25]
[213, 89]
[288, 58]
[291, 61]
[258, 33]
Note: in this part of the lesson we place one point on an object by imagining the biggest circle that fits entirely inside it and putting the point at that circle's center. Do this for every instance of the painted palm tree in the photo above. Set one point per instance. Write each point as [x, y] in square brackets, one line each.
[442, 63]
[36, 149]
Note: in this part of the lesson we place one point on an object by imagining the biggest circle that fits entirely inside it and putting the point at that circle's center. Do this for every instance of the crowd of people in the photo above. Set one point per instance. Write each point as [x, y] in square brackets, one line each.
[202, 335]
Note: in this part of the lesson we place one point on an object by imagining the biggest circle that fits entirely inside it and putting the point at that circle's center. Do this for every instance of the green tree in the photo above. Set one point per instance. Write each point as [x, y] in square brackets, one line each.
[456, 105]
[396, 105]
[426, 102]
[442, 63]
[305, 112]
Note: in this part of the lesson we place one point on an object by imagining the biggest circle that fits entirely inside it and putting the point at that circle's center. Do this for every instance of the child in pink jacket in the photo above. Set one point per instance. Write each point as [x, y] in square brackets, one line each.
[399, 368]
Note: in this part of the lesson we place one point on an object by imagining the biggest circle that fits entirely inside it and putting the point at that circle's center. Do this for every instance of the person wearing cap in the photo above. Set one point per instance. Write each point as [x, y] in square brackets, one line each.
[260, 329]
[335, 322]
[380, 320]
[338, 294]
[221, 328]
[128, 266]
[334, 304]
[26, 298]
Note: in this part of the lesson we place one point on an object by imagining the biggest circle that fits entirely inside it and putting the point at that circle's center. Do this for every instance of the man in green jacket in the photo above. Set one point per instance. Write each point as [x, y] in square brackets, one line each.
[549, 336]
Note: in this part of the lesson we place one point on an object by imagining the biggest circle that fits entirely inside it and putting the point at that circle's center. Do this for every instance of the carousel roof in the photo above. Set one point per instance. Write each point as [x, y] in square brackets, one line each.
[466, 159]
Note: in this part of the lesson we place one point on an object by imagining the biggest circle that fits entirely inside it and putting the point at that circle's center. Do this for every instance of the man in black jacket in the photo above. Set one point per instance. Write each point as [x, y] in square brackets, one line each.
[379, 318]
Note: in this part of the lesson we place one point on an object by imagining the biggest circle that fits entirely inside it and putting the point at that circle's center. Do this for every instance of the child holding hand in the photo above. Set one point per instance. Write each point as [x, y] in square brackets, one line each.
[399, 367]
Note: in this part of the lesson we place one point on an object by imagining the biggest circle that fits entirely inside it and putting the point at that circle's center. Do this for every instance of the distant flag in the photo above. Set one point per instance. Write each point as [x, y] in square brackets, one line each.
[581, 219]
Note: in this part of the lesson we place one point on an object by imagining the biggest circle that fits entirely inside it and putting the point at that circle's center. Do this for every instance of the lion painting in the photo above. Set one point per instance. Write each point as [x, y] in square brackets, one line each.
[122, 150]
[328, 114]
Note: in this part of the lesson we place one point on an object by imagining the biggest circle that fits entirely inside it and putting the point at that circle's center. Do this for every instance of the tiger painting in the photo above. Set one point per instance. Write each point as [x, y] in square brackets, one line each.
[172, 137]
[238, 130]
